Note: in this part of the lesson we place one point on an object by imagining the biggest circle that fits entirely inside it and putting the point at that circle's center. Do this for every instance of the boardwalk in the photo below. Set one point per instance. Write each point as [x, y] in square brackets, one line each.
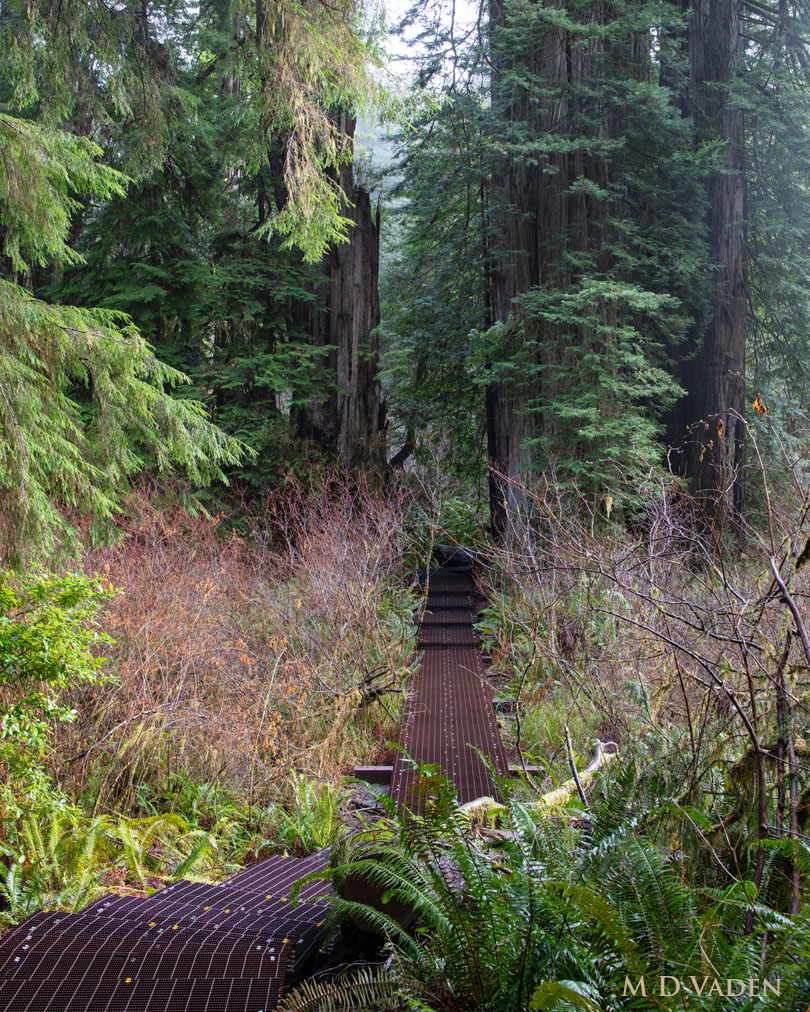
[235, 947]
[190, 947]
[449, 718]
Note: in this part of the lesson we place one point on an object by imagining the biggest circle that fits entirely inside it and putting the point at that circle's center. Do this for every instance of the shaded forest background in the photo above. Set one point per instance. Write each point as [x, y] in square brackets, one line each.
[594, 258]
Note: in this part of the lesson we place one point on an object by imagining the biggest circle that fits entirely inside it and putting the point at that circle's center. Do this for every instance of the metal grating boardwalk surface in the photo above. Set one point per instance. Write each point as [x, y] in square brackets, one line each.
[234, 947]
[447, 616]
[449, 718]
[246, 960]
[113, 994]
[279, 874]
[192, 947]
[270, 919]
[50, 933]
[438, 600]
[447, 636]
[200, 899]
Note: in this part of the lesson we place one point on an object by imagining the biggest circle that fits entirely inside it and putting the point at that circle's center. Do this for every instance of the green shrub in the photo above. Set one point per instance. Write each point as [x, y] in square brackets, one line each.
[310, 819]
[64, 858]
[49, 638]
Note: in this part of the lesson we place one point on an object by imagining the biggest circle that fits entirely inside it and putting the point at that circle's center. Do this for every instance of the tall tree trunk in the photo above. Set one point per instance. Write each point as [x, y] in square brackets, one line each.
[541, 226]
[708, 437]
[355, 317]
[347, 420]
[528, 221]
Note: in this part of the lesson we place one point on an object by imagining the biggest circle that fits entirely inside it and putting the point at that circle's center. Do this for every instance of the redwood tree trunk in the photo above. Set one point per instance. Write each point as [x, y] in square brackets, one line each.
[709, 438]
[347, 420]
[528, 221]
[540, 226]
[354, 319]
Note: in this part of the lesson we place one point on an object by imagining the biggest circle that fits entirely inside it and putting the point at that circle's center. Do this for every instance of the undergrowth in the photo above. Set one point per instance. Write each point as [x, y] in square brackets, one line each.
[559, 909]
[248, 669]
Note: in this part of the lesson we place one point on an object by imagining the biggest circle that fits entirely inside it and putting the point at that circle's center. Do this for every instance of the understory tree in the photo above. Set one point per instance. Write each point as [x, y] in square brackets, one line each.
[85, 402]
[435, 284]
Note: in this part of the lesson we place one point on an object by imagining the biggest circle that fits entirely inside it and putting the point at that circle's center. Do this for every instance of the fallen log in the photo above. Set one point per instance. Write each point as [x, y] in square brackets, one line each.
[486, 808]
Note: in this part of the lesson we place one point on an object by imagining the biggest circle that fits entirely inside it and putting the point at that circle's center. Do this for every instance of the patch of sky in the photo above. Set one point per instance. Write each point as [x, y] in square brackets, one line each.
[410, 26]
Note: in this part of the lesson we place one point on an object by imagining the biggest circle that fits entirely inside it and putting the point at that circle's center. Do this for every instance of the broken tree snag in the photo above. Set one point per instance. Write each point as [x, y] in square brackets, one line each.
[346, 417]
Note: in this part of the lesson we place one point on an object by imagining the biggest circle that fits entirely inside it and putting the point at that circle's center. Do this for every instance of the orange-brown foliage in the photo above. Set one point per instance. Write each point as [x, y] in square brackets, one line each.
[240, 657]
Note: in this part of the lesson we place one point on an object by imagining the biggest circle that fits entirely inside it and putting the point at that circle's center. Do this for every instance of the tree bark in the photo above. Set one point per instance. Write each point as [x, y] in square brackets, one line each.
[708, 435]
[539, 228]
[528, 221]
[355, 317]
[347, 420]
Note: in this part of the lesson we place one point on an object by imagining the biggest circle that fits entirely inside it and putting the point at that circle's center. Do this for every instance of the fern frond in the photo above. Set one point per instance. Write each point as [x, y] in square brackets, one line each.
[202, 844]
[563, 996]
[366, 989]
